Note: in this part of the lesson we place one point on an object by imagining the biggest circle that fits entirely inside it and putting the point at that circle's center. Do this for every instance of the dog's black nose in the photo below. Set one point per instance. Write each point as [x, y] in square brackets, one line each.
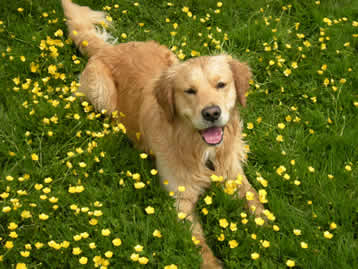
[211, 113]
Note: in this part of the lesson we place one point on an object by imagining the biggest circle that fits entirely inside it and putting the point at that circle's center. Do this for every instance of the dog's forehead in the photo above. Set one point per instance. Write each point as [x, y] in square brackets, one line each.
[210, 68]
[215, 65]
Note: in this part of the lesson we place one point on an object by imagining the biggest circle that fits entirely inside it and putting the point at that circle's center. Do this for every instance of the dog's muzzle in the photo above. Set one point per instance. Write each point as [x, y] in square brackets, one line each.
[212, 135]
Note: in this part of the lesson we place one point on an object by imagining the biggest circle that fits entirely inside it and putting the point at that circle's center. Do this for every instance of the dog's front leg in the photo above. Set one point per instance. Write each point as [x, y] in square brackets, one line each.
[246, 191]
[185, 204]
[187, 193]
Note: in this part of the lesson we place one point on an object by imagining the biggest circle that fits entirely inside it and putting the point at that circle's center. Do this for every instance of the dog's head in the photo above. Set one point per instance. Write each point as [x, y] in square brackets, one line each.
[203, 91]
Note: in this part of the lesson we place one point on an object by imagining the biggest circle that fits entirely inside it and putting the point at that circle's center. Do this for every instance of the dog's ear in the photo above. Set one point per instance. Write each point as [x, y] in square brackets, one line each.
[242, 75]
[164, 94]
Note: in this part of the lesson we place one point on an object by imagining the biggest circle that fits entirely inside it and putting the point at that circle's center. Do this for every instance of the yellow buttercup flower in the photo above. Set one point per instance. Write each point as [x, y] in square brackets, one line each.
[204, 211]
[108, 254]
[139, 185]
[157, 233]
[304, 245]
[134, 257]
[208, 200]
[26, 214]
[281, 125]
[181, 215]
[143, 260]
[290, 263]
[287, 72]
[328, 235]
[143, 155]
[9, 244]
[250, 196]
[136, 176]
[12, 226]
[233, 227]
[223, 223]
[348, 168]
[82, 164]
[311, 169]
[185, 9]
[76, 251]
[216, 178]
[262, 196]
[221, 237]
[106, 232]
[117, 242]
[181, 188]
[279, 138]
[21, 266]
[265, 244]
[13, 235]
[333, 226]
[83, 260]
[43, 216]
[149, 210]
[233, 243]
[171, 266]
[275, 228]
[138, 248]
[259, 221]
[33, 67]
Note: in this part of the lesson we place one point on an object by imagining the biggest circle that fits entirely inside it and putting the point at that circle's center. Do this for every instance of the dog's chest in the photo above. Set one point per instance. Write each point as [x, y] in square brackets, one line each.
[209, 159]
[225, 165]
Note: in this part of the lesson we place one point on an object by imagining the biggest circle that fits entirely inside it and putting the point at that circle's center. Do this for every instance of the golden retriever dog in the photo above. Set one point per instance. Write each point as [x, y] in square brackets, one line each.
[185, 112]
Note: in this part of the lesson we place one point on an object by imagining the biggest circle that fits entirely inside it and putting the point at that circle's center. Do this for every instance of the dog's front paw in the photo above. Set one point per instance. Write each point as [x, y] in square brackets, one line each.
[211, 263]
[256, 208]
[209, 260]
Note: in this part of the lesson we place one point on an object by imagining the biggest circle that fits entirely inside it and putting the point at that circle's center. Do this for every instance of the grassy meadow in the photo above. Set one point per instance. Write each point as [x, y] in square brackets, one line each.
[75, 193]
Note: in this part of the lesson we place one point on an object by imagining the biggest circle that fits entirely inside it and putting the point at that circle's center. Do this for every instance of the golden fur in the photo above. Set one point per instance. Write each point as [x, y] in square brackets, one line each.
[146, 82]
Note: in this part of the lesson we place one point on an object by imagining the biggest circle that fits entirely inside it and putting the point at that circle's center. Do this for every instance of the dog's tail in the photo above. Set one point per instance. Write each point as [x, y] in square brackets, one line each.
[81, 22]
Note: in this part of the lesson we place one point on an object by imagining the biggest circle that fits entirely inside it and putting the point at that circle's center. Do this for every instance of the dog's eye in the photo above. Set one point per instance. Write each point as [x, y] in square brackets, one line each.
[190, 91]
[220, 85]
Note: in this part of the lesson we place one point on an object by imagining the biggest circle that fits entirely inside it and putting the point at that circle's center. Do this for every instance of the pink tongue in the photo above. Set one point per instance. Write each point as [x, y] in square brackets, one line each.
[212, 135]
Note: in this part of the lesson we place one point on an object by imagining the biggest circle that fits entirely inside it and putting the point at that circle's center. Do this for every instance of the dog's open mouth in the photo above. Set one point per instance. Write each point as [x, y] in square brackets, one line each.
[213, 135]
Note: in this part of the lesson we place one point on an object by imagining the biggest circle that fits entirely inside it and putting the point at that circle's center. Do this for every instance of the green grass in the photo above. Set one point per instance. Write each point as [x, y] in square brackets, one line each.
[321, 130]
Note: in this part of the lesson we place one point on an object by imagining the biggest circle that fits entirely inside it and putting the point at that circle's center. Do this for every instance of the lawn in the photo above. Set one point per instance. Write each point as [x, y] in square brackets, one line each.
[75, 193]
